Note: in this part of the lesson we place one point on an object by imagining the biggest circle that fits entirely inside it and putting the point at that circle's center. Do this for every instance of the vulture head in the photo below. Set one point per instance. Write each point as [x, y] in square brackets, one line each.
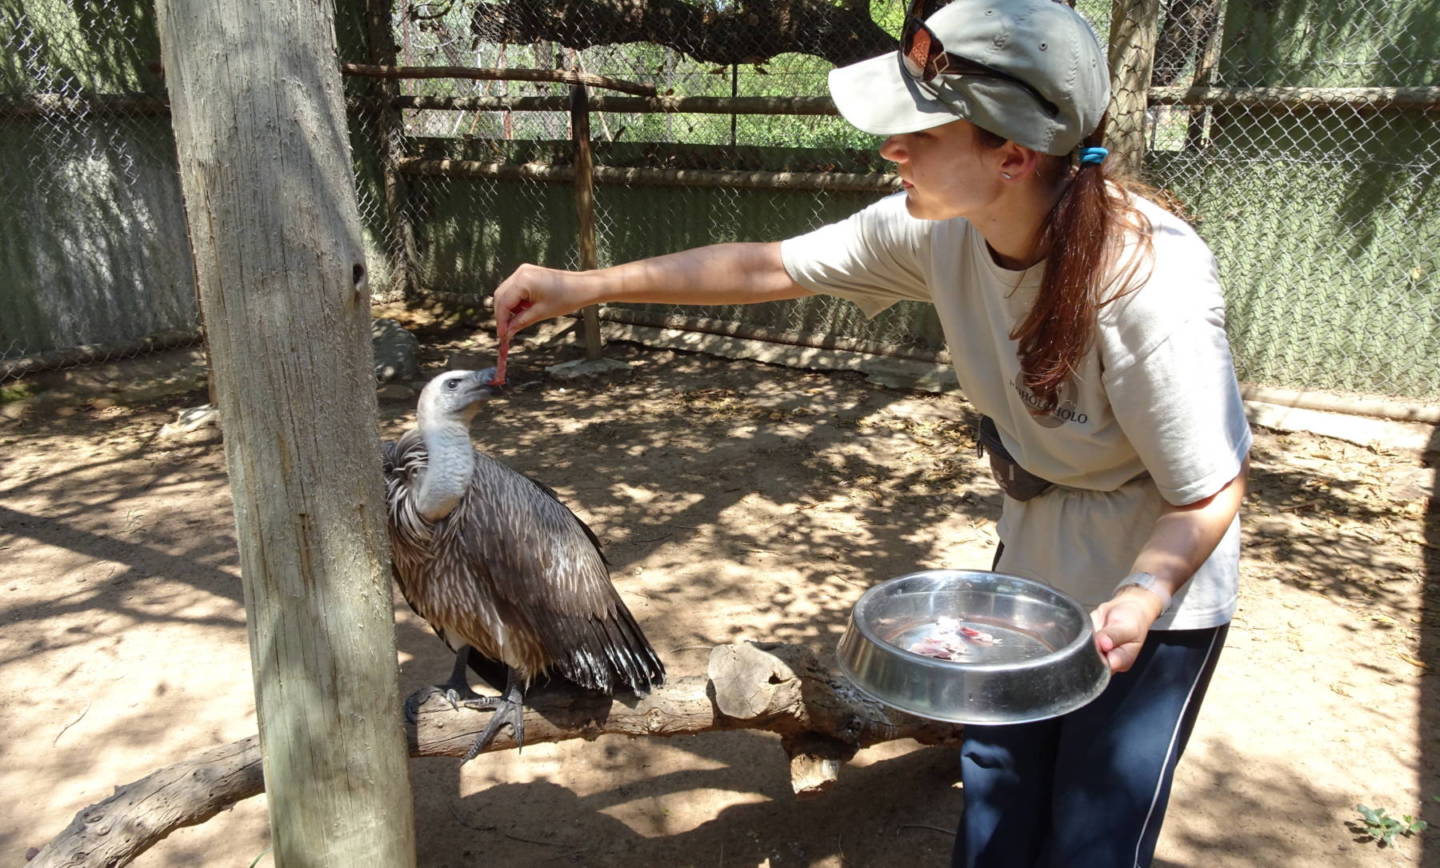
[442, 419]
[455, 397]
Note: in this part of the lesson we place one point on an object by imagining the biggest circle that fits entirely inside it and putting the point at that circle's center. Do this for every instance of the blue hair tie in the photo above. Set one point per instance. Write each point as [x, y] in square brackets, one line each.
[1093, 156]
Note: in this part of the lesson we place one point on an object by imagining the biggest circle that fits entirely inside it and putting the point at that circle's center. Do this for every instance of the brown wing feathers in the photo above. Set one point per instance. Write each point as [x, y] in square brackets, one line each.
[558, 577]
[529, 562]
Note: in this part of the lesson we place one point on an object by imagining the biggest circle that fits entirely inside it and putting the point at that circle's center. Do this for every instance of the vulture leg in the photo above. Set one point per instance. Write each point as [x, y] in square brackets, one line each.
[493, 672]
[496, 674]
[457, 687]
[506, 709]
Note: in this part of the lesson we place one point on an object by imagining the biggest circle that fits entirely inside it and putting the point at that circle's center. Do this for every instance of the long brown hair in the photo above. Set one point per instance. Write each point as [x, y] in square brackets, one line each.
[1079, 238]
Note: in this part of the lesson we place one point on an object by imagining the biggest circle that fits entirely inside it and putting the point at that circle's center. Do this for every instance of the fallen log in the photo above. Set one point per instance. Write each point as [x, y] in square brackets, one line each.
[821, 718]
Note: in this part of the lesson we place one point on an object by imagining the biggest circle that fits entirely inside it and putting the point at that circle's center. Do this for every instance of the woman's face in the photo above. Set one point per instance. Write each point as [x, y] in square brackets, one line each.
[946, 171]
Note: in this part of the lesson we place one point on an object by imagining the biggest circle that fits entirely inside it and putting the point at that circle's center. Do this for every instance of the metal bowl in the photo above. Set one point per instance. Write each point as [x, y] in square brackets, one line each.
[1043, 661]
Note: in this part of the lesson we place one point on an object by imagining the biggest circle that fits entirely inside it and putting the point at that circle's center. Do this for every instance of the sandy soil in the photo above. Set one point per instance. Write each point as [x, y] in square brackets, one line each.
[737, 501]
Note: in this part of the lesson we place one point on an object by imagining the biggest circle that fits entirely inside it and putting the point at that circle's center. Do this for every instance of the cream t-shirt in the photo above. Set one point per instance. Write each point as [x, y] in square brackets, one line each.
[1153, 413]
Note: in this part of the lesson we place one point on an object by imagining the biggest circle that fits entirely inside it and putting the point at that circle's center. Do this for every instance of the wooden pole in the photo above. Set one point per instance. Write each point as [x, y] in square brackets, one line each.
[92, 354]
[270, 201]
[564, 76]
[1285, 99]
[1273, 98]
[1134, 27]
[635, 177]
[585, 209]
[403, 252]
[1207, 57]
[743, 105]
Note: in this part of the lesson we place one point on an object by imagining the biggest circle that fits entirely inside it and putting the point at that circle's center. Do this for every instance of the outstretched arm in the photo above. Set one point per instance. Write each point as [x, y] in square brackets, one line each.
[735, 273]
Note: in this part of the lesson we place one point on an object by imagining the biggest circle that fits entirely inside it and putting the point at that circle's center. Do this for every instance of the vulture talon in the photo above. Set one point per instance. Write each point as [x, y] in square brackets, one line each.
[508, 708]
[415, 701]
[504, 712]
[454, 697]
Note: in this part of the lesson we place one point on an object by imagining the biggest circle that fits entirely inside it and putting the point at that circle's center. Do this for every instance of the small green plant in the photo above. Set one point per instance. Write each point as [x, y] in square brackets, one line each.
[15, 393]
[1382, 828]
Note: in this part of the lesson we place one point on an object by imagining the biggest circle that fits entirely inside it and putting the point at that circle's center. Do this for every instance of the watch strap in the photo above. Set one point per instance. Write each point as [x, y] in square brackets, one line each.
[1149, 583]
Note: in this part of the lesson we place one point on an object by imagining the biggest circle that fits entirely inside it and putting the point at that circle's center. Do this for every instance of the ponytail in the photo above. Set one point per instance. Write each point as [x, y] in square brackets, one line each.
[1079, 238]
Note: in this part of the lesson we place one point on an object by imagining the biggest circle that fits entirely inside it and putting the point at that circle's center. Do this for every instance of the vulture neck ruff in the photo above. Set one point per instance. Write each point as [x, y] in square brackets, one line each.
[450, 460]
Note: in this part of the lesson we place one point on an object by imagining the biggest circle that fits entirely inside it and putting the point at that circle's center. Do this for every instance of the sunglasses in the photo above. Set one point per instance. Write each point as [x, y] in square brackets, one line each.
[924, 58]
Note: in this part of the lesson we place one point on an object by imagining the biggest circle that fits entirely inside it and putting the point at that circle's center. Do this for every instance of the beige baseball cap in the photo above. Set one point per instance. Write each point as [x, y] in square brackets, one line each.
[1041, 79]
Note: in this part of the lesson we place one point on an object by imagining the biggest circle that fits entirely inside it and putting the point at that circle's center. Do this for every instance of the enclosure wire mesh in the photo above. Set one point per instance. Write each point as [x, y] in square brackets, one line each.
[95, 260]
[1323, 214]
[1322, 211]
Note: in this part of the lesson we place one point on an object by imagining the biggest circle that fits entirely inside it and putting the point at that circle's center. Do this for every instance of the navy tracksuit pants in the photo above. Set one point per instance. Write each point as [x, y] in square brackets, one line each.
[1087, 790]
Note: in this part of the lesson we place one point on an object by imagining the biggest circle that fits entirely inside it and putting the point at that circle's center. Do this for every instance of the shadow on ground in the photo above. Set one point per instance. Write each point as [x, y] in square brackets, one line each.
[736, 501]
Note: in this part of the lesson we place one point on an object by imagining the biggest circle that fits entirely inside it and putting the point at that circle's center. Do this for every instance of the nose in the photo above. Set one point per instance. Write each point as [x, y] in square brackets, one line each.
[894, 149]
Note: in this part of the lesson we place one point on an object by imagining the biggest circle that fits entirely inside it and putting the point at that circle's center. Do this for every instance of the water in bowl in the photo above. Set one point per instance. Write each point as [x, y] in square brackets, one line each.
[1006, 643]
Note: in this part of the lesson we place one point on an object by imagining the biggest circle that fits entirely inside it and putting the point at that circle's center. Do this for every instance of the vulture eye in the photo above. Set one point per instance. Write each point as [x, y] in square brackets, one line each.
[450, 384]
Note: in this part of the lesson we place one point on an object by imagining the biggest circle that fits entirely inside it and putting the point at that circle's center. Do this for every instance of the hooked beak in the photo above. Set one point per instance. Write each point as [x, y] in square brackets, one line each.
[482, 385]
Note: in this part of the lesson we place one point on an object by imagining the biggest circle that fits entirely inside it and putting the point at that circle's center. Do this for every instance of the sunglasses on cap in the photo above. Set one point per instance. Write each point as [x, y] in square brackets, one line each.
[924, 57]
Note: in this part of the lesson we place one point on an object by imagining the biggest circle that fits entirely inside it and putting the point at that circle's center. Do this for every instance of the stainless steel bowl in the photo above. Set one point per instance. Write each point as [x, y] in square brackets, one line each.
[1043, 662]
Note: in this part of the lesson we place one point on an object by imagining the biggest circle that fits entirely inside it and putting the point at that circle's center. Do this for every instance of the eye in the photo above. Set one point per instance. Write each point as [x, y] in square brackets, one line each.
[450, 384]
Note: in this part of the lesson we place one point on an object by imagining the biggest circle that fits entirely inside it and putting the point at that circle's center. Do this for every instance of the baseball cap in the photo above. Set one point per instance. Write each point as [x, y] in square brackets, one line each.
[1032, 71]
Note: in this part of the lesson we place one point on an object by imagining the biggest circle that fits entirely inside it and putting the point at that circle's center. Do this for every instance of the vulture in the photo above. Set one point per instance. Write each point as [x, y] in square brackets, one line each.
[500, 567]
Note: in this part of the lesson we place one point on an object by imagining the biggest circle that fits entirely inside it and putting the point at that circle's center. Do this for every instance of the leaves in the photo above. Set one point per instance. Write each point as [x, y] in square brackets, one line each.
[1382, 828]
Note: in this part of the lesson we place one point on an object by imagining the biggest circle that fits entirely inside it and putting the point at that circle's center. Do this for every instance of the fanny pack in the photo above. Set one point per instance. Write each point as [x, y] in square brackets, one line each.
[1014, 480]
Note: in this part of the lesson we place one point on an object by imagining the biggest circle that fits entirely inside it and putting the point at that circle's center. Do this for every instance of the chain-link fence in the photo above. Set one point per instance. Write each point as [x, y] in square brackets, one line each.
[1307, 148]
[94, 264]
[1299, 134]
[487, 166]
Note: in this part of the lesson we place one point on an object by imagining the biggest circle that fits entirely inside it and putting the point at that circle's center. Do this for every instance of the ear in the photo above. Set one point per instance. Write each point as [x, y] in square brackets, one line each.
[1016, 162]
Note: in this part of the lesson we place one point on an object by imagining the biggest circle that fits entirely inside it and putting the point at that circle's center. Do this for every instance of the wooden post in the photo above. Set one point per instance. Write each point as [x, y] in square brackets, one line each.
[585, 208]
[1207, 55]
[1134, 26]
[270, 202]
[734, 94]
[390, 127]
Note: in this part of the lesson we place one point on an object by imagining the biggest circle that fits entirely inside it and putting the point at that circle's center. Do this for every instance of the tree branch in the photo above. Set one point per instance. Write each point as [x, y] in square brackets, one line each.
[821, 718]
[750, 32]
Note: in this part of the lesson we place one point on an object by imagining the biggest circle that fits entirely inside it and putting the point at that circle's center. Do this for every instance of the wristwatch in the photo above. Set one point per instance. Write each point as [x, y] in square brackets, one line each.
[1149, 583]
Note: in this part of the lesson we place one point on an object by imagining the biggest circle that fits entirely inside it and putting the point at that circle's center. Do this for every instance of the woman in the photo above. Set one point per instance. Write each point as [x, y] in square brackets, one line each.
[1087, 325]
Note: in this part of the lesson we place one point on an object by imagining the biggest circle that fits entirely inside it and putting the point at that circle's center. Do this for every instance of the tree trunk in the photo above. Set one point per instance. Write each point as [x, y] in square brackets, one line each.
[1133, 28]
[400, 243]
[269, 196]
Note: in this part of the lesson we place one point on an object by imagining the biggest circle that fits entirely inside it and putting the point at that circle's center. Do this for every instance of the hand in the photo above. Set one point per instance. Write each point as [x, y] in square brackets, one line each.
[1121, 625]
[532, 294]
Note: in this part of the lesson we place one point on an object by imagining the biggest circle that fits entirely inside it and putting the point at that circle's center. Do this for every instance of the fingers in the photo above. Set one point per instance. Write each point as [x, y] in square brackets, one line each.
[1119, 654]
[509, 301]
[1124, 657]
[516, 319]
[1119, 634]
[513, 298]
[533, 294]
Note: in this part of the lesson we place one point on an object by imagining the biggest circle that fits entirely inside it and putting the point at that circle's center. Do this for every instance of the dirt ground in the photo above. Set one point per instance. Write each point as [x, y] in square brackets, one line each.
[737, 501]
